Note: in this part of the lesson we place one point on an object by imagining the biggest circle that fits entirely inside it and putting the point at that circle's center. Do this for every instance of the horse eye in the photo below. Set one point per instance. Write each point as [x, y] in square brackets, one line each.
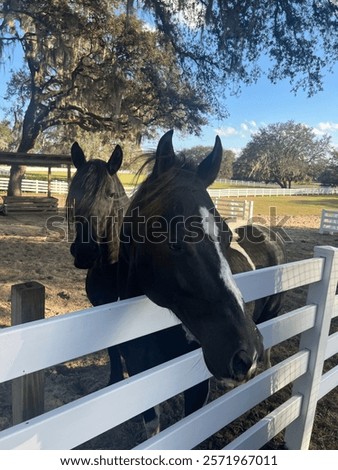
[111, 195]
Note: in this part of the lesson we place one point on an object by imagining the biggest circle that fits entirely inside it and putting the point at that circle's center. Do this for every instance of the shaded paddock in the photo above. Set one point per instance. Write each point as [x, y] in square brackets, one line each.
[48, 261]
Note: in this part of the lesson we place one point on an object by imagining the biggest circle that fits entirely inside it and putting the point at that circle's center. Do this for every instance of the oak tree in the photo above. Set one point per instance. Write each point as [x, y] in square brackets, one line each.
[282, 153]
[199, 152]
[78, 50]
[329, 175]
[89, 64]
[221, 43]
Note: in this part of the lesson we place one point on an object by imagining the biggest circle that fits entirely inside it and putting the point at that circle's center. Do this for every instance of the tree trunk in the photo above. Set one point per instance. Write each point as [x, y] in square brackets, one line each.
[29, 135]
[30, 132]
[282, 183]
[15, 178]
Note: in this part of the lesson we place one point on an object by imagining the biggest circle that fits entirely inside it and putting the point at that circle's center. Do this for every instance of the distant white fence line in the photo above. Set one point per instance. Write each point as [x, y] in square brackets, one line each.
[329, 222]
[246, 183]
[247, 192]
[37, 345]
[37, 186]
[61, 187]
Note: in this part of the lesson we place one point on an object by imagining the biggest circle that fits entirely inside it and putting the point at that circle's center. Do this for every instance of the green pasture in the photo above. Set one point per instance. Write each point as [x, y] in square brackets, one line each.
[127, 179]
[263, 205]
[294, 205]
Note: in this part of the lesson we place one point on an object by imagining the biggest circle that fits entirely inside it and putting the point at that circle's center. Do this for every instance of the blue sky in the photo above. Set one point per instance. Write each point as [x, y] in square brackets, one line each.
[265, 103]
[257, 106]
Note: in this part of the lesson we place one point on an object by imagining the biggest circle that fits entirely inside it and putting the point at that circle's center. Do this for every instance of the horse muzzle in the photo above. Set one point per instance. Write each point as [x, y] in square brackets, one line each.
[241, 367]
[235, 364]
[85, 255]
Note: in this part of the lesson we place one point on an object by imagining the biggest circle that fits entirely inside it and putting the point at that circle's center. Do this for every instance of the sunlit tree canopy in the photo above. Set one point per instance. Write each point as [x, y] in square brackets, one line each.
[283, 153]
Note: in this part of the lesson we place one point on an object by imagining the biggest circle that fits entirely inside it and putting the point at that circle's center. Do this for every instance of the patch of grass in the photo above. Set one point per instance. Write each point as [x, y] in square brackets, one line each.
[263, 205]
[131, 179]
[42, 177]
[220, 185]
[127, 179]
[294, 205]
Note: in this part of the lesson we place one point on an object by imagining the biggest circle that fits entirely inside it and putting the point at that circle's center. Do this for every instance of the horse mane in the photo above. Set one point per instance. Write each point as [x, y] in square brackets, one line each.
[94, 176]
[156, 191]
[181, 162]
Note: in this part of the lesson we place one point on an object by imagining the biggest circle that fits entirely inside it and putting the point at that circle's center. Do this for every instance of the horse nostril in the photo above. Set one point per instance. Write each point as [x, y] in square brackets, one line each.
[241, 364]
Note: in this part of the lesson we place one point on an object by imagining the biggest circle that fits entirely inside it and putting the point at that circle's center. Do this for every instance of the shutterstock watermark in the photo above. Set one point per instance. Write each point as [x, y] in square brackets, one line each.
[158, 229]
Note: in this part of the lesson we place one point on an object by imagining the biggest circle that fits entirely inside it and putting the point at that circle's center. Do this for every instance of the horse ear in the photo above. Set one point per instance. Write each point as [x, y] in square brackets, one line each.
[209, 167]
[165, 155]
[78, 157]
[115, 160]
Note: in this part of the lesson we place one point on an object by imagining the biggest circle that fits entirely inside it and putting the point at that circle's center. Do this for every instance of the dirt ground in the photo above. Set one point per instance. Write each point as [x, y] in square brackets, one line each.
[36, 248]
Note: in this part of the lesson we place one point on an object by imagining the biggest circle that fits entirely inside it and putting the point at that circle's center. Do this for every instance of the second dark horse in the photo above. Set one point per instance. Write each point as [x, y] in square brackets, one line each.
[96, 205]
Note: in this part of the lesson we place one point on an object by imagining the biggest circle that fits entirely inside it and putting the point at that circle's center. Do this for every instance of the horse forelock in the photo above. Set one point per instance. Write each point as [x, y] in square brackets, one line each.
[87, 197]
[88, 189]
[158, 193]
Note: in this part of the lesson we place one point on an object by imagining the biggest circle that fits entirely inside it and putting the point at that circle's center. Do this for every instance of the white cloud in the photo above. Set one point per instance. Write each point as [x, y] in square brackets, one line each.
[248, 127]
[226, 131]
[326, 128]
[253, 124]
[244, 129]
[236, 150]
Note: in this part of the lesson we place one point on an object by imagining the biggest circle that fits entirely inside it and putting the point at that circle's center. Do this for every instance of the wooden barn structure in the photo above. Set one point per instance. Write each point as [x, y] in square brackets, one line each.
[37, 159]
[28, 203]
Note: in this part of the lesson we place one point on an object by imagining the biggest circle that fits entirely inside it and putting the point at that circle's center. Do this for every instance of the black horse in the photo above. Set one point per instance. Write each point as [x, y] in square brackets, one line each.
[176, 249]
[96, 203]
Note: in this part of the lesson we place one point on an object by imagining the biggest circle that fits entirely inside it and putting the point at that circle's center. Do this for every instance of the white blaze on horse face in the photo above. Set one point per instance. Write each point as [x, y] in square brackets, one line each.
[211, 229]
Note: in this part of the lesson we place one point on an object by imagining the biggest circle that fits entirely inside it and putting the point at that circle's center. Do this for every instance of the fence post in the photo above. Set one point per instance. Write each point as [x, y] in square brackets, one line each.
[28, 304]
[49, 179]
[250, 210]
[322, 221]
[322, 293]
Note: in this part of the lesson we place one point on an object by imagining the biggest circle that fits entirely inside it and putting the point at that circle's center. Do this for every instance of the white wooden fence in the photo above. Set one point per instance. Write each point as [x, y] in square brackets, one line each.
[40, 344]
[329, 222]
[247, 192]
[234, 209]
[256, 184]
[61, 187]
[37, 186]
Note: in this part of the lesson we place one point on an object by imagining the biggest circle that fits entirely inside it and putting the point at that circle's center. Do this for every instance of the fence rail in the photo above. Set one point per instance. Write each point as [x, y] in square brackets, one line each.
[254, 192]
[70, 336]
[329, 222]
[256, 184]
[234, 209]
[61, 187]
[37, 186]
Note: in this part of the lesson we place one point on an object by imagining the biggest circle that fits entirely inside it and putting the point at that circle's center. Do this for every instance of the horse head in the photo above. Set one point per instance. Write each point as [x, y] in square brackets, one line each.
[175, 249]
[96, 202]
